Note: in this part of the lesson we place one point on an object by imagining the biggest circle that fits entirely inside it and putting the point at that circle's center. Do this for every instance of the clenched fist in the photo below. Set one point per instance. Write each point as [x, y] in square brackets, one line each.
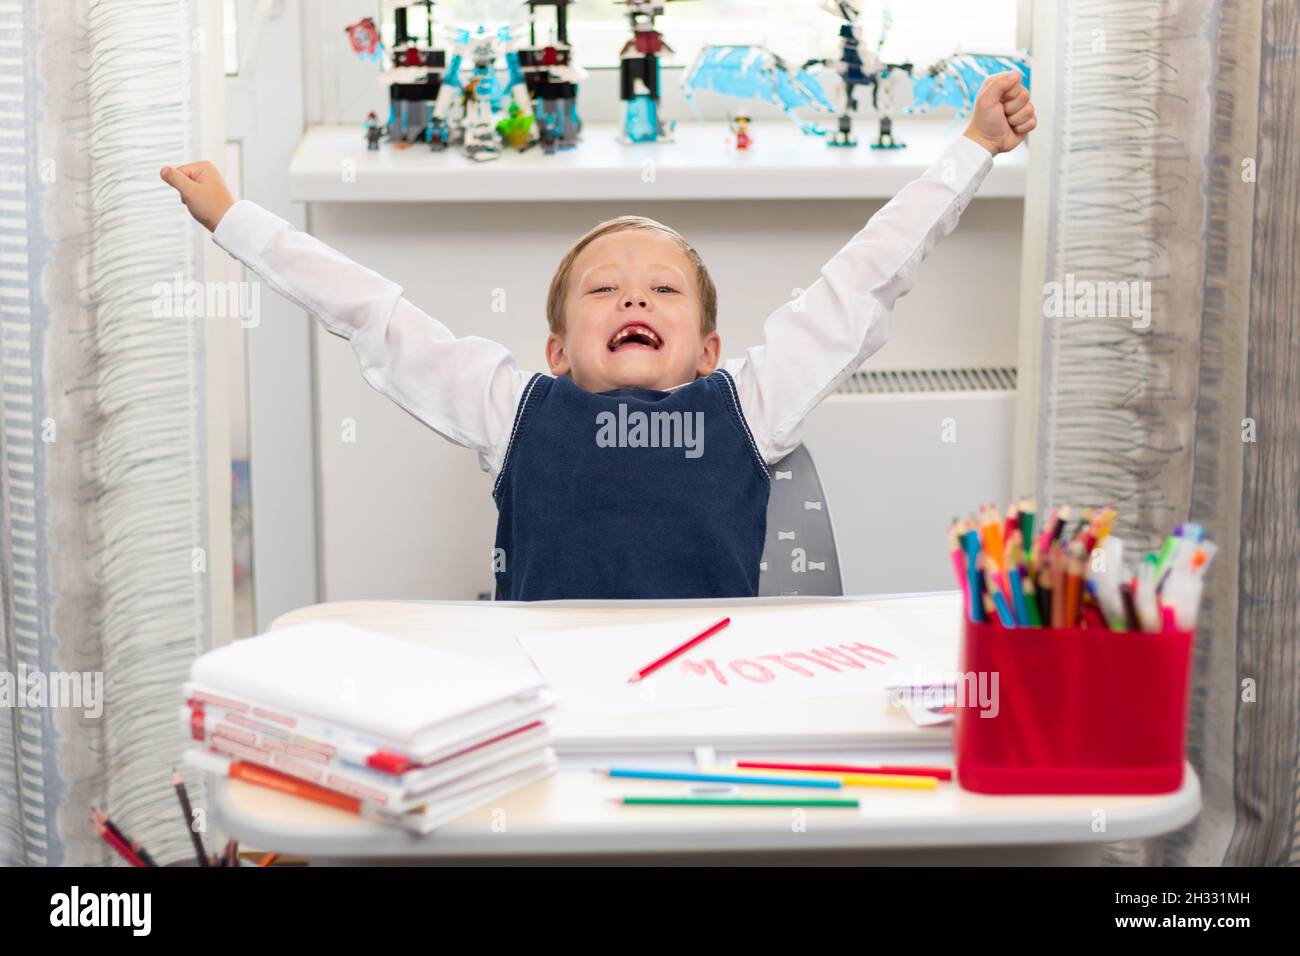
[1002, 116]
[202, 190]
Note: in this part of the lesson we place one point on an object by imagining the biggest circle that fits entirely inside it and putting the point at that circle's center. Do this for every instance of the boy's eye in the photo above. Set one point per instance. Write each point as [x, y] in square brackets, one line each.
[658, 288]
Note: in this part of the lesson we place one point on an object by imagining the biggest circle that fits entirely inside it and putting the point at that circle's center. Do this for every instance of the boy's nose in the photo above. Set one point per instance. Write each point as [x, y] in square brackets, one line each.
[634, 300]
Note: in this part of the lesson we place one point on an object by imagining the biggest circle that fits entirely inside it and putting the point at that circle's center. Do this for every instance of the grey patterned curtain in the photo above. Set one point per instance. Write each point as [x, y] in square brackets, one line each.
[1174, 157]
[102, 499]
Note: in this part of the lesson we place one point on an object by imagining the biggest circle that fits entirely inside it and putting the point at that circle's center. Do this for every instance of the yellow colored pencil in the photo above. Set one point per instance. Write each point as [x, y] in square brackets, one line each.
[892, 781]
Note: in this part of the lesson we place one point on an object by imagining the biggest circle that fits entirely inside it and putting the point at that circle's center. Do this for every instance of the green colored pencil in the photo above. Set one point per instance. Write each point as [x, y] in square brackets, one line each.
[731, 802]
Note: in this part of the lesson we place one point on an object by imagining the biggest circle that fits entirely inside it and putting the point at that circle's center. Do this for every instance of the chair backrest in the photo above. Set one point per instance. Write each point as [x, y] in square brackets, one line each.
[799, 554]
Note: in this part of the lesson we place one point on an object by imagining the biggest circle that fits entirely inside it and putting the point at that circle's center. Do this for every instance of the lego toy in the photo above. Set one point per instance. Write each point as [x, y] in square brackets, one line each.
[552, 78]
[414, 73]
[364, 37]
[740, 130]
[639, 75]
[373, 131]
[754, 72]
[516, 129]
[858, 66]
[954, 80]
[453, 95]
[482, 94]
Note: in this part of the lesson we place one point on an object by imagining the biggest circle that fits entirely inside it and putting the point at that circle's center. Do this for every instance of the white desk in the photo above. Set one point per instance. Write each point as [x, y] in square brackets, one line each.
[568, 817]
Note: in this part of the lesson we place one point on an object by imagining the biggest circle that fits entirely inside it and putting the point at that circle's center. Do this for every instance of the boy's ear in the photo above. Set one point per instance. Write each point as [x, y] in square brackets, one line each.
[709, 353]
[555, 355]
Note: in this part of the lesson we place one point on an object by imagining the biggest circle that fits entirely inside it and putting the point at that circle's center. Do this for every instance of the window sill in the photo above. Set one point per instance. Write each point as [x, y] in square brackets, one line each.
[332, 164]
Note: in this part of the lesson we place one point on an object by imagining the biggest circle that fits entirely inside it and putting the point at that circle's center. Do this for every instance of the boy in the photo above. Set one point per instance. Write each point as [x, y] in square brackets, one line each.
[638, 467]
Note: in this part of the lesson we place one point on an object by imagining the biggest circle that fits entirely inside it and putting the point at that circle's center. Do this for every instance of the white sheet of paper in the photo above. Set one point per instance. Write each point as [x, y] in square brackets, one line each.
[762, 658]
[924, 703]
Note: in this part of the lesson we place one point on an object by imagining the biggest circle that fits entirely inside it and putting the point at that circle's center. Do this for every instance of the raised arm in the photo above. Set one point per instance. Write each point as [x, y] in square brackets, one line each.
[820, 338]
[466, 389]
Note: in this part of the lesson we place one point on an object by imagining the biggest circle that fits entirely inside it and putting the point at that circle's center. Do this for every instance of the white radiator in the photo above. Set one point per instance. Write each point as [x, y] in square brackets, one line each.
[900, 454]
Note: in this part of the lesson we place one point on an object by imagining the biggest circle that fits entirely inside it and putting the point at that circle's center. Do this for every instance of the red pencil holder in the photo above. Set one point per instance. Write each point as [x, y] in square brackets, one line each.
[1071, 710]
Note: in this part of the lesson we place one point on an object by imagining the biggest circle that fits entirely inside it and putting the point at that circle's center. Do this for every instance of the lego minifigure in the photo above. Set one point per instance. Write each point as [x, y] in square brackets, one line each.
[480, 137]
[373, 131]
[549, 135]
[516, 129]
[740, 130]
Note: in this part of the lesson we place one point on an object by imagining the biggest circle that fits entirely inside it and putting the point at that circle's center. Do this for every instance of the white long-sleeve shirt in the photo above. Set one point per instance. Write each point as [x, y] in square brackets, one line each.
[468, 388]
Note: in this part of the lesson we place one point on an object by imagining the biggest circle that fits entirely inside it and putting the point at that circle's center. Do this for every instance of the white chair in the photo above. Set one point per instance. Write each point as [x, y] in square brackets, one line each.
[799, 553]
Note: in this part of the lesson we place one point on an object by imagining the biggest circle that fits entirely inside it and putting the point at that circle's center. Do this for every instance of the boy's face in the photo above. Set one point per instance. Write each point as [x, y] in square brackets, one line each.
[632, 317]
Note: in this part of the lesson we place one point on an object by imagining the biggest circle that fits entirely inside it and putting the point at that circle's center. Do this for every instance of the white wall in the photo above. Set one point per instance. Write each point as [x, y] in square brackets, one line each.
[404, 514]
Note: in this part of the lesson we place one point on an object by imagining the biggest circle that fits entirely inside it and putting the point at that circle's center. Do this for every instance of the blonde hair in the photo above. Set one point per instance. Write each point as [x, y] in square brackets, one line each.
[559, 289]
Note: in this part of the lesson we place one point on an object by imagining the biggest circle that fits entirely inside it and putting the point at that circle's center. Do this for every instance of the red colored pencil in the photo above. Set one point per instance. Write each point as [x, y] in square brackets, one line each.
[651, 668]
[943, 773]
[99, 816]
[112, 840]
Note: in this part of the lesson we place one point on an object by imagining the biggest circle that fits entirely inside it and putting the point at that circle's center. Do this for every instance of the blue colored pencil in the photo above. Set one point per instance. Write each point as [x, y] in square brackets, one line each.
[971, 541]
[1004, 612]
[1018, 598]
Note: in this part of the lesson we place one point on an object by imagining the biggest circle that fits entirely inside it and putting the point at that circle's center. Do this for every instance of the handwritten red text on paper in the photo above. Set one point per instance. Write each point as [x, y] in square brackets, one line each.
[764, 668]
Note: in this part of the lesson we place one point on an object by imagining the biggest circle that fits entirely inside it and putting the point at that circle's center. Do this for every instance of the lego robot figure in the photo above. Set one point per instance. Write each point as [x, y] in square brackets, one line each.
[859, 66]
[479, 136]
[882, 98]
[639, 75]
[482, 93]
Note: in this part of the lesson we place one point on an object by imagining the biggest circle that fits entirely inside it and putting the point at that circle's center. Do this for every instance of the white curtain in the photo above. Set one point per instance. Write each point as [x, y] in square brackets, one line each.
[1173, 156]
[101, 450]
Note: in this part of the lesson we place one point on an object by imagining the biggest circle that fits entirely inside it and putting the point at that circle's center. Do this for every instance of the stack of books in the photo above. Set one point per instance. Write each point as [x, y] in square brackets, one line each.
[391, 729]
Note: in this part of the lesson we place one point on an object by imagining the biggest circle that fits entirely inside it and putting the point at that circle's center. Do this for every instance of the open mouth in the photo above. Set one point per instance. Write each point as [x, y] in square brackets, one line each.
[635, 335]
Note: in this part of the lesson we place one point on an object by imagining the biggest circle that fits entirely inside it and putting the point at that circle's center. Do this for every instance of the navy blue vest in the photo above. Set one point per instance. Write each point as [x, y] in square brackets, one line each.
[630, 493]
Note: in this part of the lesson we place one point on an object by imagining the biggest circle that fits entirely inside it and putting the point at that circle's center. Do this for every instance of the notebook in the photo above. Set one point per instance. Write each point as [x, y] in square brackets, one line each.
[207, 707]
[394, 694]
[453, 801]
[308, 760]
